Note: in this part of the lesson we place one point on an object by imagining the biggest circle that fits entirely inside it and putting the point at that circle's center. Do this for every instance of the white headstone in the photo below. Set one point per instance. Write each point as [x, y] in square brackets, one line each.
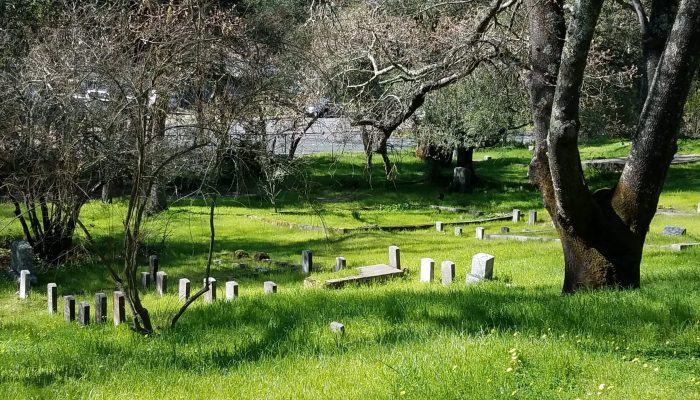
[337, 327]
[100, 308]
[69, 308]
[52, 296]
[118, 307]
[307, 261]
[24, 284]
[161, 282]
[448, 272]
[340, 263]
[145, 280]
[210, 295]
[231, 290]
[184, 289]
[480, 233]
[84, 313]
[458, 231]
[516, 215]
[532, 217]
[482, 268]
[487, 158]
[427, 269]
[269, 287]
[439, 226]
[394, 257]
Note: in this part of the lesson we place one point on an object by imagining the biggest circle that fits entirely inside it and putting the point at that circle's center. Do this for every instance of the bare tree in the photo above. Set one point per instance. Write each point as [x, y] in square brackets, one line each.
[603, 233]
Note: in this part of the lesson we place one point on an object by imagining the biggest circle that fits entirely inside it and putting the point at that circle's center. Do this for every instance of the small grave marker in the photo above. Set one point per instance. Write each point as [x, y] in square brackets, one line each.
[448, 272]
[269, 287]
[339, 263]
[482, 268]
[505, 230]
[480, 233]
[487, 158]
[516, 215]
[395, 257]
[69, 308]
[118, 307]
[307, 261]
[337, 327]
[52, 296]
[161, 282]
[427, 269]
[673, 231]
[532, 217]
[439, 226]
[22, 256]
[184, 289]
[153, 264]
[210, 295]
[458, 231]
[145, 280]
[231, 290]
[100, 308]
[84, 313]
[24, 283]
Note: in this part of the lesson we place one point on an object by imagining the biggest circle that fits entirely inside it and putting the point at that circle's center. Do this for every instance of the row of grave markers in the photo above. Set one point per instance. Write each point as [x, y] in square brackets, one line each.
[482, 269]
[517, 215]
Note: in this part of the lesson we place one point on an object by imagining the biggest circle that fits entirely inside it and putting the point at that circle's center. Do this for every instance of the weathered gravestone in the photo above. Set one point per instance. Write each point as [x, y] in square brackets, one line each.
[460, 181]
[22, 257]
[145, 280]
[184, 289]
[231, 290]
[269, 287]
[52, 296]
[118, 307]
[337, 327]
[161, 282]
[395, 257]
[24, 284]
[69, 308]
[532, 217]
[480, 233]
[487, 158]
[516, 215]
[210, 295]
[448, 272]
[100, 308]
[340, 263]
[84, 313]
[505, 230]
[458, 231]
[439, 226]
[153, 265]
[307, 261]
[427, 269]
[673, 231]
[482, 268]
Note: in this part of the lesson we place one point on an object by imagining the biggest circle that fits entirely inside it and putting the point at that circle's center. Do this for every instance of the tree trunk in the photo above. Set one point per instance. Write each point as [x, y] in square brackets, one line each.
[603, 233]
[107, 192]
[382, 149]
[158, 199]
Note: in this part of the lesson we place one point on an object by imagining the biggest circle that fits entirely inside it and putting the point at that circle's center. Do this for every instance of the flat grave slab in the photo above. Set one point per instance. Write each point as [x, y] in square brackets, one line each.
[367, 274]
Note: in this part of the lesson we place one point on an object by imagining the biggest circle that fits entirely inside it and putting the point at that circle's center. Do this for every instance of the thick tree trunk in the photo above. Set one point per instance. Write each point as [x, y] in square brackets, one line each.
[603, 233]
[158, 199]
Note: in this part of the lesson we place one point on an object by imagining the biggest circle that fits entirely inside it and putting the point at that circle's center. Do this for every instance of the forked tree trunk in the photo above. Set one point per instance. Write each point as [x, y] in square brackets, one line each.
[603, 233]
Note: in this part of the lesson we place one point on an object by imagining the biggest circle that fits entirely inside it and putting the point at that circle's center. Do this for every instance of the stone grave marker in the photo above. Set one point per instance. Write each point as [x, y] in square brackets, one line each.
[24, 283]
[337, 327]
[458, 231]
[84, 313]
[184, 289]
[269, 287]
[100, 308]
[448, 272]
[145, 280]
[439, 226]
[52, 296]
[340, 263]
[487, 158]
[459, 180]
[231, 290]
[516, 215]
[427, 269]
[482, 268]
[161, 282]
[505, 230]
[22, 256]
[532, 217]
[673, 231]
[153, 265]
[118, 307]
[210, 295]
[395, 257]
[69, 308]
[307, 261]
[480, 233]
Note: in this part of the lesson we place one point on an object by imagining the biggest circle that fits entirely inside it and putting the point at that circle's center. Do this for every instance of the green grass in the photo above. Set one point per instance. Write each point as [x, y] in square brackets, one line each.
[515, 337]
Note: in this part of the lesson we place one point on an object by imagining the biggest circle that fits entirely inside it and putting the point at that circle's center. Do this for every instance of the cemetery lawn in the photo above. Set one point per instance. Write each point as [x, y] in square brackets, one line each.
[514, 337]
